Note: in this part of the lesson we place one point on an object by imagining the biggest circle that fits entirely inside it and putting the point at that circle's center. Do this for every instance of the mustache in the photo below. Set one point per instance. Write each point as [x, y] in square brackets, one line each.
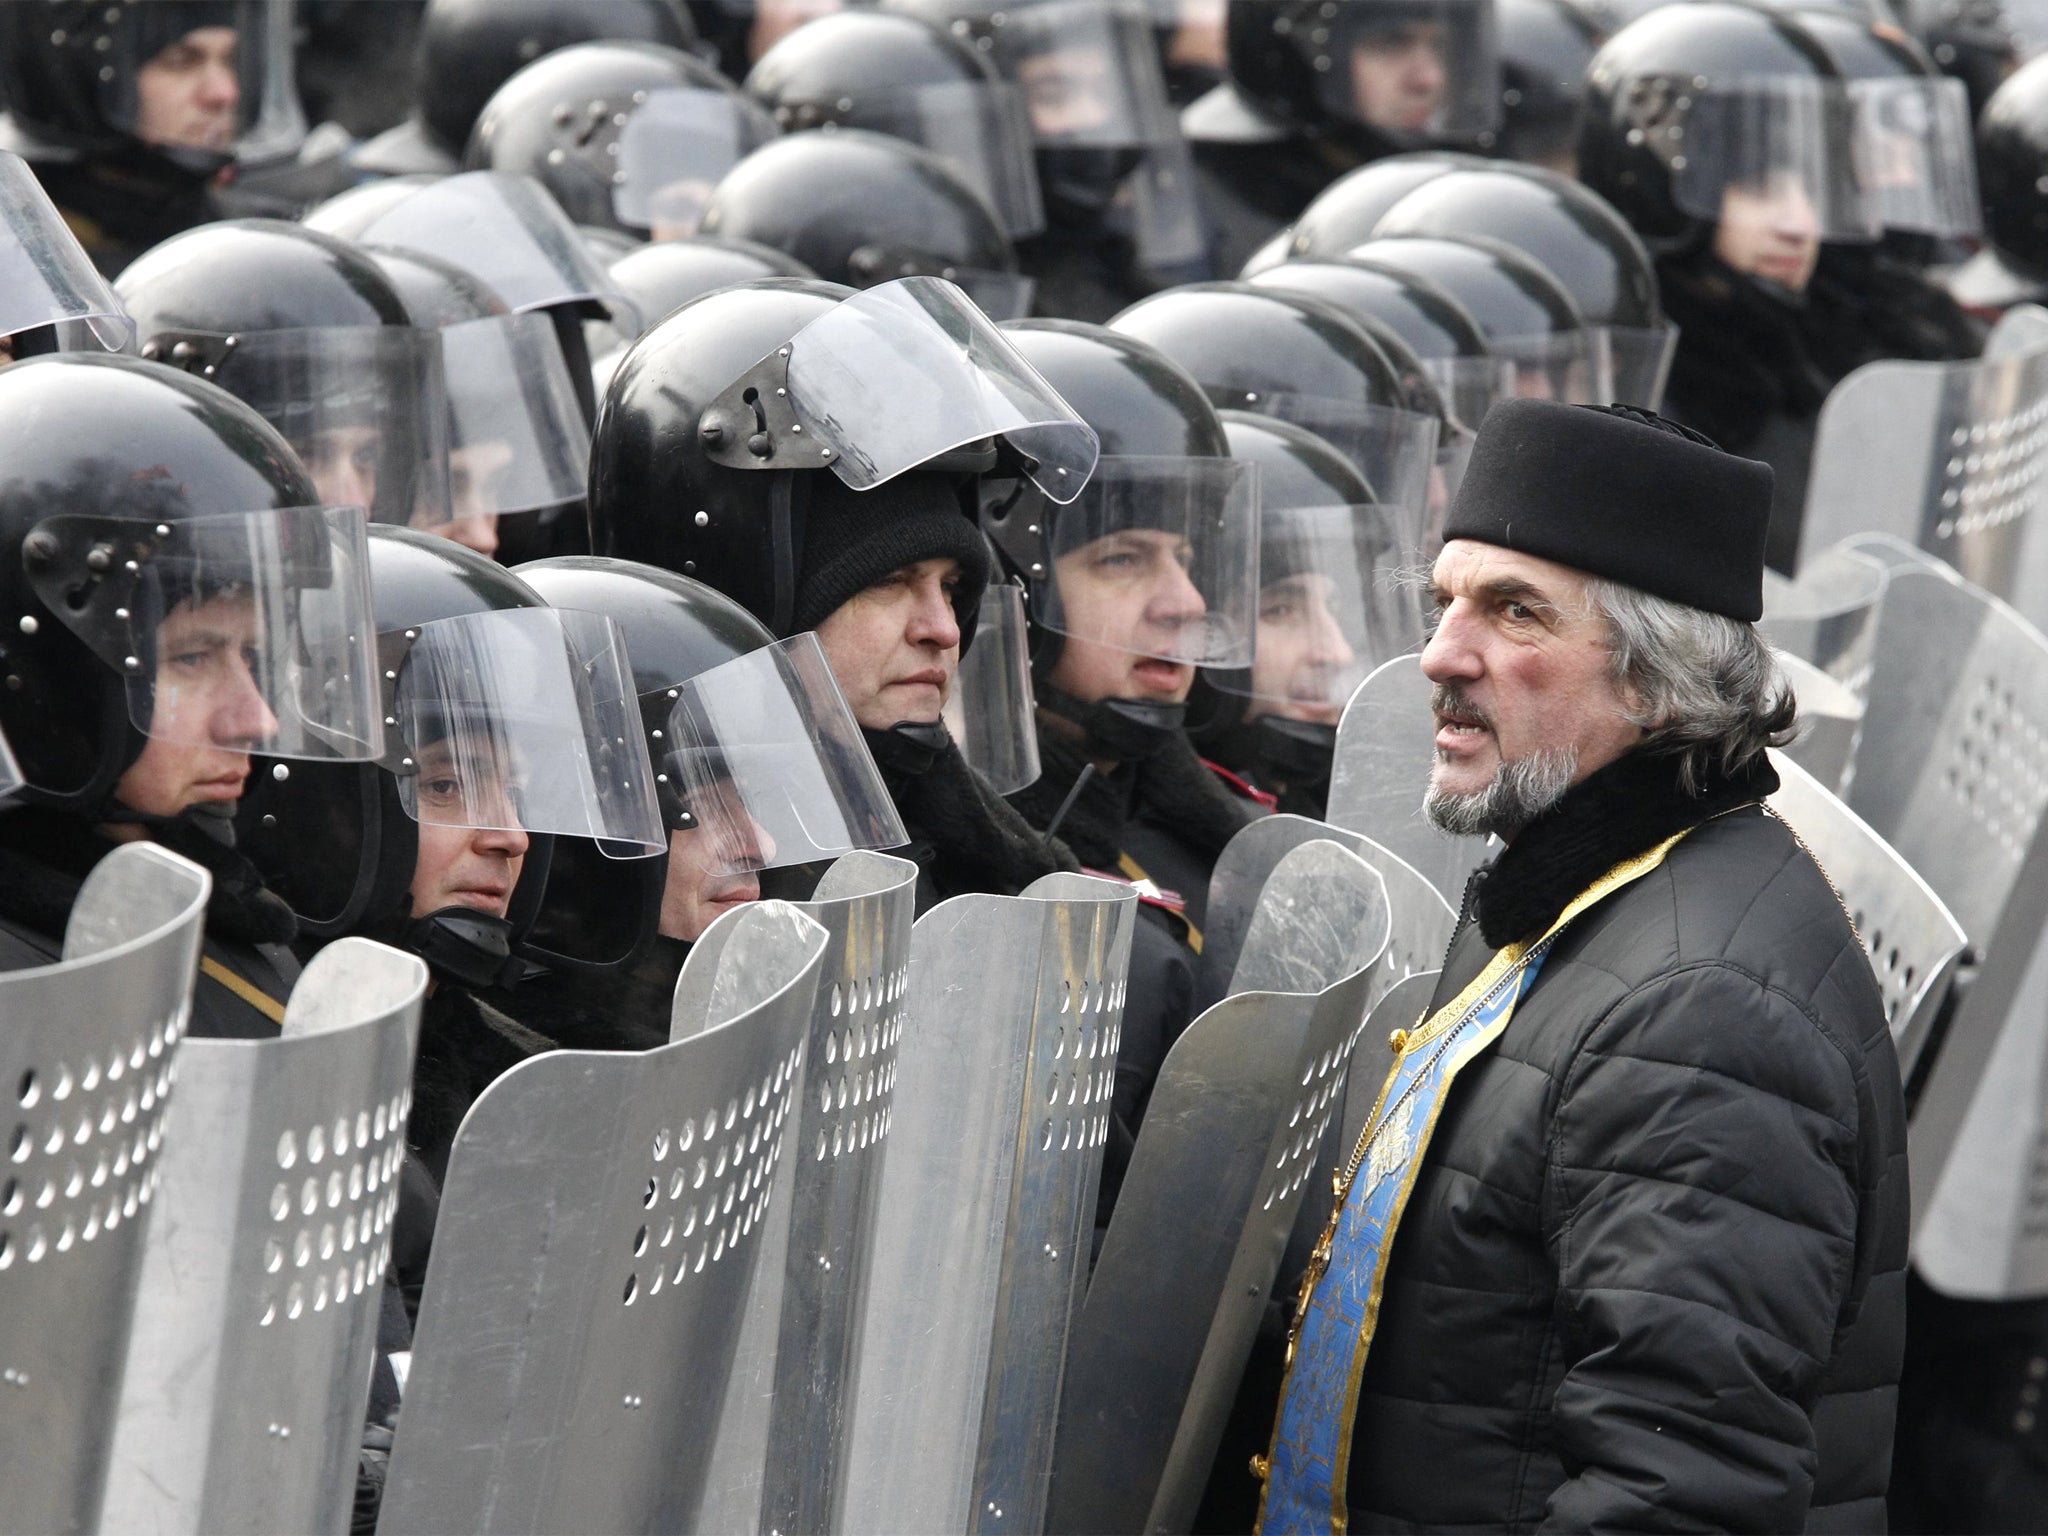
[1450, 699]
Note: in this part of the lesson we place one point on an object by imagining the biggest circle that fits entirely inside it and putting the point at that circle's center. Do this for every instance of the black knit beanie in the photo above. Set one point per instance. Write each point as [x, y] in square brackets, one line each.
[852, 539]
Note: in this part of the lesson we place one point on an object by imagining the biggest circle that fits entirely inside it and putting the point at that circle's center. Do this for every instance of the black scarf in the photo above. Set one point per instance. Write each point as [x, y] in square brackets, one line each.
[1866, 304]
[1742, 356]
[465, 1046]
[965, 834]
[1624, 809]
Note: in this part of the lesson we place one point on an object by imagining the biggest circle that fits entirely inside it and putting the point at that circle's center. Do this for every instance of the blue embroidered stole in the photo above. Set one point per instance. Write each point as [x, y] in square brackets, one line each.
[1306, 1471]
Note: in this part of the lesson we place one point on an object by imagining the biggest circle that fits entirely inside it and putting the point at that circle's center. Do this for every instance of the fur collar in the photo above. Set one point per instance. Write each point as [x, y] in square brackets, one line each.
[1627, 807]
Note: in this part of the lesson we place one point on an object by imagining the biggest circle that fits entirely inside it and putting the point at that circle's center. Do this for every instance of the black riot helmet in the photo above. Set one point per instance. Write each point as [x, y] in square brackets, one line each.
[1346, 212]
[902, 76]
[2012, 150]
[310, 332]
[1302, 360]
[661, 276]
[762, 424]
[633, 135]
[1530, 323]
[861, 208]
[69, 72]
[1545, 46]
[1689, 101]
[128, 489]
[1379, 76]
[506, 715]
[1973, 41]
[1579, 240]
[1166, 470]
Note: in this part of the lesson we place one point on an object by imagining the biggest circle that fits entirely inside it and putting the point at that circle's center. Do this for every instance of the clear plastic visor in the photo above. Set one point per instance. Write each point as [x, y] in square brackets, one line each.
[1453, 455]
[1414, 70]
[10, 771]
[1090, 73]
[762, 765]
[506, 230]
[1919, 154]
[521, 720]
[982, 128]
[1470, 385]
[1159, 557]
[673, 150]
[1632, 362]
[1774, 154]
[1560, 366]
[1394, 449]
[45, 276]
[897, 375]
[1160, 210]
[989, 713]
[1333, 605]
[998, 294]
[248, 631]
[364, 407]
[517, 440]
[195, 75]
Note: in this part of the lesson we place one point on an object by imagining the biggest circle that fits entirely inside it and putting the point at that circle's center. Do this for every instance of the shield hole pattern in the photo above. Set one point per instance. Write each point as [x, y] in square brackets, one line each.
[1998, 769]
[853, 1090]
[82, 1137]
[1081, 1077]
[1308, 1119]
[331, 1211]
[708, 1186]
[1992, 473]
[1896, 973]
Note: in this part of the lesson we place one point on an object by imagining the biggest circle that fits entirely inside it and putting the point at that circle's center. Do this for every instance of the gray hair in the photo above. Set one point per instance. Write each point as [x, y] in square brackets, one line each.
[1707, 688]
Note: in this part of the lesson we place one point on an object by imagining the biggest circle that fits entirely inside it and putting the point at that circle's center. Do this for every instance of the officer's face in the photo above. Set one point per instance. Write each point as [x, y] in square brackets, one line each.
[895, 646]
[343, 464]
[775, 18]
[1770, 229]
[712, 867]
[190, 95]
[473, 476]
[209, 710]
[1125, 599]
[1521, 668]
[1302, 656]
[1398, 77]
[1068, 91]
[461, 865]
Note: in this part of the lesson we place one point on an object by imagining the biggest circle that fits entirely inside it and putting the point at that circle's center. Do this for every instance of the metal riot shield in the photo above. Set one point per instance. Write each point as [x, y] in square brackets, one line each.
[1385, 751]
[1828, 615]
[988, 1203]
[1914, 944]
[1948, 456]
[1245, 1098]
[1402, 1006]
[1422, 921]
[256, 1322]
[782, 1438]
[2023, 328]
[86, 1047]
[598, 1230]
[1830, 715]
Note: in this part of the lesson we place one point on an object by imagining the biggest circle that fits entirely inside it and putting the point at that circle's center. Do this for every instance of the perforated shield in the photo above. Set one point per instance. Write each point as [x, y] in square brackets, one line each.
[1385, 750]
[1913, 943]
[86, 1052]
[2023, 328]
[1948, 456]
[1830, 716]
[783, 1436]
[256, 1322]
[1402, 1006]
[988, 1198]
[1828, 614]
[1421, 926]
[1244, 1100]
[598, 1231]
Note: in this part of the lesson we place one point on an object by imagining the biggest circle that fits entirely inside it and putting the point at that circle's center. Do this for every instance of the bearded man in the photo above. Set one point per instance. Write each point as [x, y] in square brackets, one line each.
[1623, 1246]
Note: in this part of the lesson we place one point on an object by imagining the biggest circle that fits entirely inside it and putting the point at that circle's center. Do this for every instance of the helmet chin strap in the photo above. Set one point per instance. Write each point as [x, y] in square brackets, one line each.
[1124, 730]
[909, 747]
[468, 947]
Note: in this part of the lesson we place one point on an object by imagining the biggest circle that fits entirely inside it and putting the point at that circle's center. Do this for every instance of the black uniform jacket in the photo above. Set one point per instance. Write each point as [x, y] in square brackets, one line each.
[1651, 1274]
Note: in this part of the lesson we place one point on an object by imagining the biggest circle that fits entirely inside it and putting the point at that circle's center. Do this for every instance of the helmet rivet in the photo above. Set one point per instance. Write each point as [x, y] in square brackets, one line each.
[760, 446]
[269, 820]
[689, 569]
[703, 519]
[29, 625]
[1037, 569]
[657, 735]
[711, 434]
[412, 634]
[99, 557]
[279, 772]
[163, 530]
[121, 613]
[131, 663]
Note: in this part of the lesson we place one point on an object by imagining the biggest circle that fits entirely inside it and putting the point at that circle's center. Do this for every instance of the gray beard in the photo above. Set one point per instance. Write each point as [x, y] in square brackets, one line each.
[1520, 792]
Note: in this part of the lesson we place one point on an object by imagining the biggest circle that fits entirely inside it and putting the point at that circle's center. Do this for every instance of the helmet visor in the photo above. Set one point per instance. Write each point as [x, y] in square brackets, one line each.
[517, 440]
[249, 631]
[1394, 449]
[207, 77]
[989, 713]
[1632, 362]
[1413, 69]
[1559, 366]
[45, 276]
[1919, 154]
[1774, 154]
[981, 127]
[10, 771]
[673, 149]
[1158, 557]
[1333, 605]
[1159, 209]
[506, 230]
[362, 406]
[1090, 73]
[895, 376]
[762, 764]
[521, 720]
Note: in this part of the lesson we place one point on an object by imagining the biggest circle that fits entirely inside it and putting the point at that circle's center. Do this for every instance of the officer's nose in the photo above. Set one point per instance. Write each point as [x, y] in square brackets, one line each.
[242, 717]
